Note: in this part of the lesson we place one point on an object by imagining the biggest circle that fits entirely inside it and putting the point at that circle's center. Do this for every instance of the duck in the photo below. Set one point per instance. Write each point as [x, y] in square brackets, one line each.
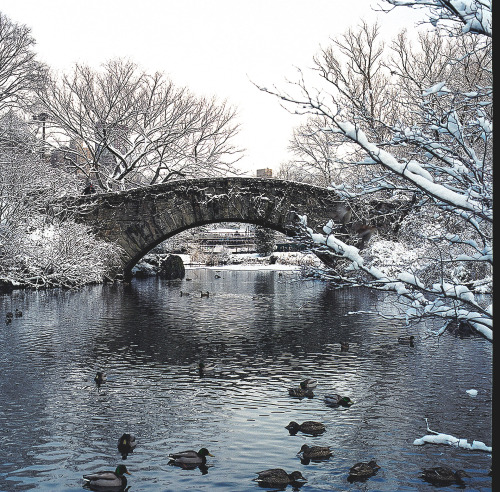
[190, 457]
[205, 369]
[184, 293]
[307, 427]
[363, 470]
[443, 475]
[344, 346]
[108, 479]
[126, 444]
[9, 314]
[335, 400]
[18, 313]
[100, 378]
[301, 392]
[277, 477]
[8, 321]
[309, 383]
[217, 276]
[315, 452]
[205, 294]
[406, 340]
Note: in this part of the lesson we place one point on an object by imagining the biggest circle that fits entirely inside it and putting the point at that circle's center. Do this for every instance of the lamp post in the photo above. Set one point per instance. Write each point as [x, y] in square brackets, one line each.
[43, 117]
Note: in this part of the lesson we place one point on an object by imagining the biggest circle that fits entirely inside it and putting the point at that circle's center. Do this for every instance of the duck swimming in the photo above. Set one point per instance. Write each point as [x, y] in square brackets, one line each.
[363, 470]
[307, 427]
[190, 457]
[205, 369]
[442, 475]
[18, 313]
[277, 477]
[300, 392]
[100, 378]
[126, 444]
[408, 340]
[344, 346]
[108, 479]
[335, 400]
[315, 452]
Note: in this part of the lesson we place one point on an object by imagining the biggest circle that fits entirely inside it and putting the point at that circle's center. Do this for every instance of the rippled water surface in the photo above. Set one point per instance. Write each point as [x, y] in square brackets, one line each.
[264, 332]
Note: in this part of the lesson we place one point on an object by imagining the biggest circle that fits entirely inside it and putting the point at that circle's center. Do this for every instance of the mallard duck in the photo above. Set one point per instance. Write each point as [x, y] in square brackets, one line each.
[205, 369]
[217, 276]
[307, 427]
[9, 315]
[18, 313]
[443, 475]
[309, 384]
[184, 293]
[278, 476]
[126, 444]
[108, 479]
[190, 457]
[205, 294]
[301, 392]
[100, 378]
[335, 400]
[344, 346]
[406, 340]
[363, 470]
[315, 452]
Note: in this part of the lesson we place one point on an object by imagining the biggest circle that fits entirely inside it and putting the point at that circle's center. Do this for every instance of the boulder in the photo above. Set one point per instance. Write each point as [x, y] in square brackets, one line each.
[172, 268]
[6, 286]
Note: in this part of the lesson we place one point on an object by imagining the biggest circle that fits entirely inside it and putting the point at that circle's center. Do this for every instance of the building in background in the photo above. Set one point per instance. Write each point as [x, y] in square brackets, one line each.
[265, 173]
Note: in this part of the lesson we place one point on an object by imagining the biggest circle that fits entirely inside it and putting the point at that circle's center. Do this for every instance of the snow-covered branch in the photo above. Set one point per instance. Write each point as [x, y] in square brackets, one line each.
[448, 301]
[412, 122]
[474, 15]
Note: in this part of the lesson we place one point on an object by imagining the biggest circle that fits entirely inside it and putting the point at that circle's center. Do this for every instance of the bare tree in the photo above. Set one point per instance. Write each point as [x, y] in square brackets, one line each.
[428, 135]
[126, 128]
[353, 69]
[19, 71]
[320, 157]
[293, 171]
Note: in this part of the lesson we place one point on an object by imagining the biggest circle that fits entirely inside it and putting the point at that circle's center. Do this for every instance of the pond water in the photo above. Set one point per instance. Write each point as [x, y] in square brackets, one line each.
[264, 331]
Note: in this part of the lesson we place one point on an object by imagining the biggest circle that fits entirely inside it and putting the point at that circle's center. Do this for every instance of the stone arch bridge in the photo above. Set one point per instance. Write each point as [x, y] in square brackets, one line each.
[137, 220]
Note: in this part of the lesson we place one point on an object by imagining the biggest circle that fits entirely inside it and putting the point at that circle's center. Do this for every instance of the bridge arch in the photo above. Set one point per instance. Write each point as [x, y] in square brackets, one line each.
[138, 220]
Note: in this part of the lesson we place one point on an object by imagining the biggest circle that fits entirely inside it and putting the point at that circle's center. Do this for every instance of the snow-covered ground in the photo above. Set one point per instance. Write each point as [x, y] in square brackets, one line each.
[247, 261]
[254, 261]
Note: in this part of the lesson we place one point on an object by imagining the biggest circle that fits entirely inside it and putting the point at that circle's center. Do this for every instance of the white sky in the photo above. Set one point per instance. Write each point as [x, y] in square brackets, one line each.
[215, 47]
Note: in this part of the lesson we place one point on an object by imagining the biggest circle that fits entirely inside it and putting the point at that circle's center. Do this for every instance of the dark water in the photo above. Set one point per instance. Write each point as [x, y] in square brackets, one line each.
[265, 333]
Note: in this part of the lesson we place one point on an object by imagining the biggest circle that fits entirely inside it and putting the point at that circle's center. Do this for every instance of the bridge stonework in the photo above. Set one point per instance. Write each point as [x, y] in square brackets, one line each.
[137, 220]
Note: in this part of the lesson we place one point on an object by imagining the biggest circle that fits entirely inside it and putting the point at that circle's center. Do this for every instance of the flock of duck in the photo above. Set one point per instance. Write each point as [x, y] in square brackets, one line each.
[116, 480]
[9, 315]
[190, 459]
[273, 477]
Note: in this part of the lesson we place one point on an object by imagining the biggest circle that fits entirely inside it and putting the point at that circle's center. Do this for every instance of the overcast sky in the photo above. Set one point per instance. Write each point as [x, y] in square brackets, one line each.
[215, 47]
